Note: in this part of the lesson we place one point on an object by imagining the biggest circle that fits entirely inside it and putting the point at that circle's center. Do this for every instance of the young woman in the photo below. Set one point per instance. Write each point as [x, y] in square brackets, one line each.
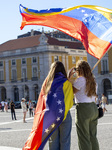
[61, 138]
[12, 107]
[54, 102]
[24, 109]
[104, 102]
[86, 110]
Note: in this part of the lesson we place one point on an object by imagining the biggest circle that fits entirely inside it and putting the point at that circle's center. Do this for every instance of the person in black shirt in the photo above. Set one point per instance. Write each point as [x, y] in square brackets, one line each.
[12, 107]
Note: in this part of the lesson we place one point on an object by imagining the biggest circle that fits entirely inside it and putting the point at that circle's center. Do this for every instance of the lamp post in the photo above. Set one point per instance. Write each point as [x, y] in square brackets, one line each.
[24, 83]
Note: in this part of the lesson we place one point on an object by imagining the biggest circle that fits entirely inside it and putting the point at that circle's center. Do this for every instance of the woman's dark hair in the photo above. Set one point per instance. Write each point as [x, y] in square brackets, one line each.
[59, 67]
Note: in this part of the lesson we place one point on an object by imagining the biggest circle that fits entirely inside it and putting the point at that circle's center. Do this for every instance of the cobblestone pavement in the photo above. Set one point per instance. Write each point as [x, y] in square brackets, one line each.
[13, 134]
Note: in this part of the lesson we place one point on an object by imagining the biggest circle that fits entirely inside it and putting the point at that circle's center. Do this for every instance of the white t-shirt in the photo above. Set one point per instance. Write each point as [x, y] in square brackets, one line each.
[2, 102]
[81, 96]
[23, 105]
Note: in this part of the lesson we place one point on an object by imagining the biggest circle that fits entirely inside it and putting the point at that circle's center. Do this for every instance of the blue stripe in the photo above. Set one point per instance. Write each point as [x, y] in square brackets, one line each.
[94, 21]
[45, 11]
[52, 10]
[51, 115]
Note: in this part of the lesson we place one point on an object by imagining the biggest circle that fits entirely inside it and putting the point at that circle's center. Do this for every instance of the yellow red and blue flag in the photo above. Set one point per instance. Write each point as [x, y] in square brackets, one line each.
[90, 24]
[51, 110]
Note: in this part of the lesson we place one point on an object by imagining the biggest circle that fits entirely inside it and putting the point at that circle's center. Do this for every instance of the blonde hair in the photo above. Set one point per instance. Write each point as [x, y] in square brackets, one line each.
[56, 67]
[84, 70]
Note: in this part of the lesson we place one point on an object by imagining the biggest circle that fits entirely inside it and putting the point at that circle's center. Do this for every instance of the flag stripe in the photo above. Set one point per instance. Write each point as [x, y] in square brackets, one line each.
[68, 90]
[36, 133]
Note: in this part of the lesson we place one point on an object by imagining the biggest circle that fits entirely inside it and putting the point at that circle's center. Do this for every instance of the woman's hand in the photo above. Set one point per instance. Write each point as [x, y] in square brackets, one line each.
[71, 72]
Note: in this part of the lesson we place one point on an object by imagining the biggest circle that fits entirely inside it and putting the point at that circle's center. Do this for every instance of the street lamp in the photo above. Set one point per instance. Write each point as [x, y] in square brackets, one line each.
[24, 83]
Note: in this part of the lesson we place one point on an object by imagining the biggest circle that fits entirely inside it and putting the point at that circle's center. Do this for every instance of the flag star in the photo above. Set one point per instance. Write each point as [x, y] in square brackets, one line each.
[46, 130]
[53, 125]
[60, 110]
[86, 15]
[59, 102]
[58, 118]
[82, 10]
[54, 95]
[85, 20]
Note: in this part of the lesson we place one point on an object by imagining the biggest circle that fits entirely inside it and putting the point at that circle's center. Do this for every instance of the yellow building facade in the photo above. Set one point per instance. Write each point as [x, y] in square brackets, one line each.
[23, 68]
[103, 74]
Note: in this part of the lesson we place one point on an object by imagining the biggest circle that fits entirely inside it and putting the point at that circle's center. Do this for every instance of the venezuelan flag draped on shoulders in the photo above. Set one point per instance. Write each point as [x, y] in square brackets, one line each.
[51, 110]
[90, 24]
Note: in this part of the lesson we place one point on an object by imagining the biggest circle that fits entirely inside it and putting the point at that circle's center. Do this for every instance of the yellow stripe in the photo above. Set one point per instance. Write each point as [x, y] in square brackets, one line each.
[104, 11]
[68, 96]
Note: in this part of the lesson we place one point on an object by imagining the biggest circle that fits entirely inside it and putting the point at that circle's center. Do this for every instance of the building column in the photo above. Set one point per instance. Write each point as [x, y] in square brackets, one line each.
[31, 93]
[21, 93]
[7, 70]
[9, 93]
[0, 94]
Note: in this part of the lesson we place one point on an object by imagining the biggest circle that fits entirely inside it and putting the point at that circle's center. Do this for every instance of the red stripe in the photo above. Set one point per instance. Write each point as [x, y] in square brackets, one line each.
[35, 138]
[72, 27]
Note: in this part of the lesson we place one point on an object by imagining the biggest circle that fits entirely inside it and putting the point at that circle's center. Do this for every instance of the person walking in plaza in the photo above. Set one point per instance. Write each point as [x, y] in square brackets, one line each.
[24, 109]
[30, 106]
[6, 106]
[97, 101]
[61, 138]
[104, 102]
[12, 107]
[86, 115]
[2, 103]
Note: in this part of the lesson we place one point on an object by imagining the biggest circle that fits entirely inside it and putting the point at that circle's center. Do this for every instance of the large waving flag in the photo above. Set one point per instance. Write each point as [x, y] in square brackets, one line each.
[50, 112]
[92, 25]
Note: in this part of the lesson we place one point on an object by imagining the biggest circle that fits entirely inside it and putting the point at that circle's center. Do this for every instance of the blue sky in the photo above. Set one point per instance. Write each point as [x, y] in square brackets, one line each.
[10, 18]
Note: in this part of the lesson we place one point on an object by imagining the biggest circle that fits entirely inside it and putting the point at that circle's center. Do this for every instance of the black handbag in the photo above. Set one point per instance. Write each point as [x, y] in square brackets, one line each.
[100, 112]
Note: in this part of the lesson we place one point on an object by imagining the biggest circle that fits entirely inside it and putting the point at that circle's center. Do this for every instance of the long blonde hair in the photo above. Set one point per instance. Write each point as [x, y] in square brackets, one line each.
[84, 70]
[56, 67]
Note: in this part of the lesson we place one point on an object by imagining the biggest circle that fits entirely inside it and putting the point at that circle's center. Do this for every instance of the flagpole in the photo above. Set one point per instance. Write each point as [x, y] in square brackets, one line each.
[101, 58]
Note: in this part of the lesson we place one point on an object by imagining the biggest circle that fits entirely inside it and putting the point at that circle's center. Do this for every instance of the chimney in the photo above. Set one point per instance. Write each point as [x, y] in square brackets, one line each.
[42, 30]
[32, 32]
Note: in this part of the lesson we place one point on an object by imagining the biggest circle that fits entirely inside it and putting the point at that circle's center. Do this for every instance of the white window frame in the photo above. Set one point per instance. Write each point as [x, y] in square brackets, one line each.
[81, 58]
[15, 76]
[2, 62]
[2, 75]
[32, 60]
[33, 72]
[104, 68]
[73, 61]
[24, 75]
[56, 59]
[22, 61]
[15, 62]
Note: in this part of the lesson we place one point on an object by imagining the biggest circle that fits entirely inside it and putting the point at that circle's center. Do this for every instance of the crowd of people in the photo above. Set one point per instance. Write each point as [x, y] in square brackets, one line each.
[25, 105]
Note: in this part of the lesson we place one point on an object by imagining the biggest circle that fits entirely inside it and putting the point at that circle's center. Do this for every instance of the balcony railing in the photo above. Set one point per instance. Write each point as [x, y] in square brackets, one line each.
[24, 79]
[13, 80]
[34, 78]
[104, 72]
[2, 81]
